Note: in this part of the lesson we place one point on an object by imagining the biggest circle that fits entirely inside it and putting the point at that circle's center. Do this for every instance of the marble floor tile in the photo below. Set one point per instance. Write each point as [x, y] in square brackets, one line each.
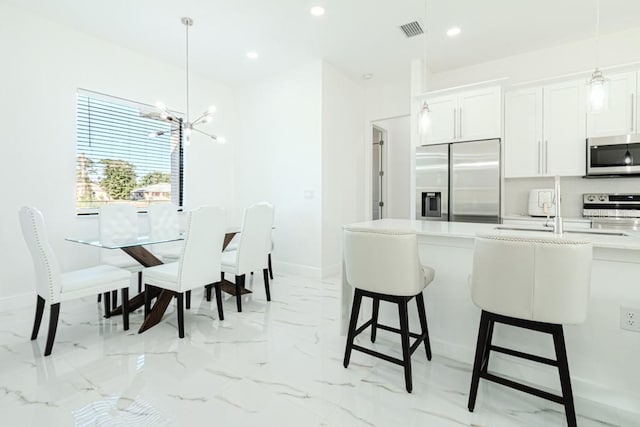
[277, 363]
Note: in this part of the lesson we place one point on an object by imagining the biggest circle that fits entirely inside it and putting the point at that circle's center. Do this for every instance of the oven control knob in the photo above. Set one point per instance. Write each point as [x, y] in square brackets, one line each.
[603, 198]
[591, 198]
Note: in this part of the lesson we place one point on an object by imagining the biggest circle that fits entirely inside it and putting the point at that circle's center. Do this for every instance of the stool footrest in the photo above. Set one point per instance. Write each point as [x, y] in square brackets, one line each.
[523, 355]
[396, 330]
[378, 355]
[363, 327]
[522, 387]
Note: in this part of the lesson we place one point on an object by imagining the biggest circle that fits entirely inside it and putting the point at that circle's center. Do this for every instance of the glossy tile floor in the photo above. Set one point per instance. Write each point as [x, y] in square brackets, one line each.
[275, 364]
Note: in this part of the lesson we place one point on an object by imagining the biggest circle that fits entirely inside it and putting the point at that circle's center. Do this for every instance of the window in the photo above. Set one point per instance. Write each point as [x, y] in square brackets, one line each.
[117, 161]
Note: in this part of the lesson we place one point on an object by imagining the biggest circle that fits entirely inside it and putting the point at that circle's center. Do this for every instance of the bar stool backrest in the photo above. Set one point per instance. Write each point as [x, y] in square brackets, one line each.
[544, 280]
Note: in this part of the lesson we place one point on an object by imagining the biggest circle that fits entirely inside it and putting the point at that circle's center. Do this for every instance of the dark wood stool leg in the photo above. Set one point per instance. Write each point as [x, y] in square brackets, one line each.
[477, 364]
[265, 275]
[187, 302]
[114, 299]
[38, 319]
[406, 347]
[355, 311]
[374, 324]
[239, 286]
[107, 305]
[179, 297]
[565, 379]
[269, 265]
[422, 313]
[53, 326]
[484, 367]
[125, 308]
[219, 301]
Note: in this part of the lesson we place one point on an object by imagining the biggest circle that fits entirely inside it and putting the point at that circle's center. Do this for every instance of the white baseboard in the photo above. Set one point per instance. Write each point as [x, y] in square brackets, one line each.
[18, 301]
[280, 267]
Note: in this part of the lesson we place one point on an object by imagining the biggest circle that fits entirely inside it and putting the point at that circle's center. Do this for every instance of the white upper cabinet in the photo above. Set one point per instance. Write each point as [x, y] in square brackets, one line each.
[564, 128]
[523, 133]
[465, 116]
[545, 131]
[621, 116]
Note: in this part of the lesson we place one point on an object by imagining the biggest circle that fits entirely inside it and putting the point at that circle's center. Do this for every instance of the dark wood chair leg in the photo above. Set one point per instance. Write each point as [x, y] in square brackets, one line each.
[208, 292]
[374, 318]
[114, 299]
[179, 297]
[265, 275]
[147, 300]
[565, 379]
[270, 268]
[53, 326]
[125, 308]
[219, 301]
[107, 305]
[422, 313]
[187, 302]
[99, 297]
[38, 319]
[139, 281]
[239, 287]
[355, 311]
[477, 364]
[406, 346]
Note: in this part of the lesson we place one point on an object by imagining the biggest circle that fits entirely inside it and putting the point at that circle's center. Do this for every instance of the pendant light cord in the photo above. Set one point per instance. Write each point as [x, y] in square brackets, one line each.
[187, 61]
[597, 33]
[424, 77]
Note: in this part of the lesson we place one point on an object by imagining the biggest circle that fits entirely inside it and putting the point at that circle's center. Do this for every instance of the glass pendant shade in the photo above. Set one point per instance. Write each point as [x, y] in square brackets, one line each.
[628, 158]
[424, 119]
[598, 92]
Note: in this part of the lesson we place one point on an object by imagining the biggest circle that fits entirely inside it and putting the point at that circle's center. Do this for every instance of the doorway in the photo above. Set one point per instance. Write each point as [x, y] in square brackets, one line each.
[378, 159]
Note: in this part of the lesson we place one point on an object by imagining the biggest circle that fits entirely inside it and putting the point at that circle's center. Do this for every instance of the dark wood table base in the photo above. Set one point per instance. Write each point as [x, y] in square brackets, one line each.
[230, 288]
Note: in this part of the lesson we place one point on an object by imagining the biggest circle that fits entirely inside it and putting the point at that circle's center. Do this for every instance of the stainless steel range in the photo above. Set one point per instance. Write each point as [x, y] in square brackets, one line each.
[617, 211]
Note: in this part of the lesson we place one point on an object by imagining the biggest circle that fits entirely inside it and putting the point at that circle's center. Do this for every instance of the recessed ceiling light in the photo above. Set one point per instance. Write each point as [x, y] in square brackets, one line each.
[367, 76]
[317, 10]
[252, 55]
[453, 31]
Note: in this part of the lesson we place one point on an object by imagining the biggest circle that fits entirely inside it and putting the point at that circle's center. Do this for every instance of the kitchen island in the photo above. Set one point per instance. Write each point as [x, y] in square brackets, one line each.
[603, 358]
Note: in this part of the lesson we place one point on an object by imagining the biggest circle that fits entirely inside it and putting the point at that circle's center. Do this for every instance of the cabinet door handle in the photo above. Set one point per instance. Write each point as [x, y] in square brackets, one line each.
[460, 124]
[546, 157]
[540, 157]
[455, 122]
[633, 108]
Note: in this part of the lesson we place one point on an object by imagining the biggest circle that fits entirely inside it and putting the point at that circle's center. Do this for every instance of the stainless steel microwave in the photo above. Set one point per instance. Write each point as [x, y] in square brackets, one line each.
[613, 155]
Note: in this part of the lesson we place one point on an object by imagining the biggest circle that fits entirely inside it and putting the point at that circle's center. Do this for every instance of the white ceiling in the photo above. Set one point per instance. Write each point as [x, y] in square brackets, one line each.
[357, 36]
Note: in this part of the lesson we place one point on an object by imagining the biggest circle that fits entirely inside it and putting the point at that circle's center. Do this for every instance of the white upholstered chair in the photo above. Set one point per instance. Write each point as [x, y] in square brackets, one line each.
[199, 262]
[233, 246]
[53, 286]
[385, 266]
[118, 222]
[254, 246]
[164, 223]
[536, 284]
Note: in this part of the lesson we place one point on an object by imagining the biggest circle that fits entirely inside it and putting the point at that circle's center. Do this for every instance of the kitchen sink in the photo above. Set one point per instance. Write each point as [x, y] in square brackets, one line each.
[550, 230]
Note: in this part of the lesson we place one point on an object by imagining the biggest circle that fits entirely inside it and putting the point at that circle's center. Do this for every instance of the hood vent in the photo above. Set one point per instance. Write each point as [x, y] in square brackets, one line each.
[412, 29]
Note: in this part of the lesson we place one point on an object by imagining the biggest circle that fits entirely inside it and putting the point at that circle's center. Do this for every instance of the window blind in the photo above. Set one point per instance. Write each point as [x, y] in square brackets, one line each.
[116, 159]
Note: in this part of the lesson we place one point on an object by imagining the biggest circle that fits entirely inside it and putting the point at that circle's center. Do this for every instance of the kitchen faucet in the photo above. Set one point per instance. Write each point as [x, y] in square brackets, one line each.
[557, 220]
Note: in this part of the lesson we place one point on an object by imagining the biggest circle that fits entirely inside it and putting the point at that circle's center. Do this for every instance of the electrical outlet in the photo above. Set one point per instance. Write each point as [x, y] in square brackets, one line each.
[630, 319]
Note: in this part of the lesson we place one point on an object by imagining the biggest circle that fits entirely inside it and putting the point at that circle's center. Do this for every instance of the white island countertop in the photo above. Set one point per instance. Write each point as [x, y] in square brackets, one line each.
[469, 230]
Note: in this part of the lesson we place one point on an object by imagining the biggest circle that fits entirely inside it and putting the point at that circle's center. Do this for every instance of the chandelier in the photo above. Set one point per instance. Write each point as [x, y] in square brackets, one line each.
[186, 125]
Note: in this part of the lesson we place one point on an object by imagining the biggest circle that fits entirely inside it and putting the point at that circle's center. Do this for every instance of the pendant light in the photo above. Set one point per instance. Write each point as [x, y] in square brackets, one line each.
[598, 85]
[186, 125]
[424, 115]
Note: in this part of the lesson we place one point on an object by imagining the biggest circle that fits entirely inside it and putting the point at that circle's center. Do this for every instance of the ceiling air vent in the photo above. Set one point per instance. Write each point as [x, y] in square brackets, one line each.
[412, 29]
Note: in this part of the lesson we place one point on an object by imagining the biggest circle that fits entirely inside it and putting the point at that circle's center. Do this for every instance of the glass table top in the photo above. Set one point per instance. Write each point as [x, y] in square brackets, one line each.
[124, 243]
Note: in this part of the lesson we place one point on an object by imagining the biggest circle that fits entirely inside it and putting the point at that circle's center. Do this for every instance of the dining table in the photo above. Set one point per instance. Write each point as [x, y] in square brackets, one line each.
[136, 248]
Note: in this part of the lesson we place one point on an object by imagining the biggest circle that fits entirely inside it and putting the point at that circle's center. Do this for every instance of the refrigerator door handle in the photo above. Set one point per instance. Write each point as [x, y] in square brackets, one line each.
[455, 122]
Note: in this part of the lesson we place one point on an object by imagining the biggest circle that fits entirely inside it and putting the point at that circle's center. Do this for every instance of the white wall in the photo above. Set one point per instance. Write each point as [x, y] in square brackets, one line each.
[398, 166]
[45, 63]
[343, 150]
[278, 159]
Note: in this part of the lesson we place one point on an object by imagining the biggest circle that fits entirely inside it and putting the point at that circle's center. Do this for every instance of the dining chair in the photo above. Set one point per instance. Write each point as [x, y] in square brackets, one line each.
[53, 286]
[385, 266]
[233, 246]
[529, 283]
[198, 264]
[164, 224]
[254, 246]
[118, 222]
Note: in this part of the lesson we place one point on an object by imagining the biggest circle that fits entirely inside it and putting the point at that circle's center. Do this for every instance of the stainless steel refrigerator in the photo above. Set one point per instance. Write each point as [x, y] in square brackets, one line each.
[459, 181]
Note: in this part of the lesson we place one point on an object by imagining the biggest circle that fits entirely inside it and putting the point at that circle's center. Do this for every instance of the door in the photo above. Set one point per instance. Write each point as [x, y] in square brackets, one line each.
[564, 129]
[377, 173]
[443, 120]
[523, 133]
[432, 176]
[619, 118]
[475, 181]
[479, 114]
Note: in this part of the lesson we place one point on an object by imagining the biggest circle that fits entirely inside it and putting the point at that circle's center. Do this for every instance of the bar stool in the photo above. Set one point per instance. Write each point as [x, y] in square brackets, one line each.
[536, 284]
[385, 266]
